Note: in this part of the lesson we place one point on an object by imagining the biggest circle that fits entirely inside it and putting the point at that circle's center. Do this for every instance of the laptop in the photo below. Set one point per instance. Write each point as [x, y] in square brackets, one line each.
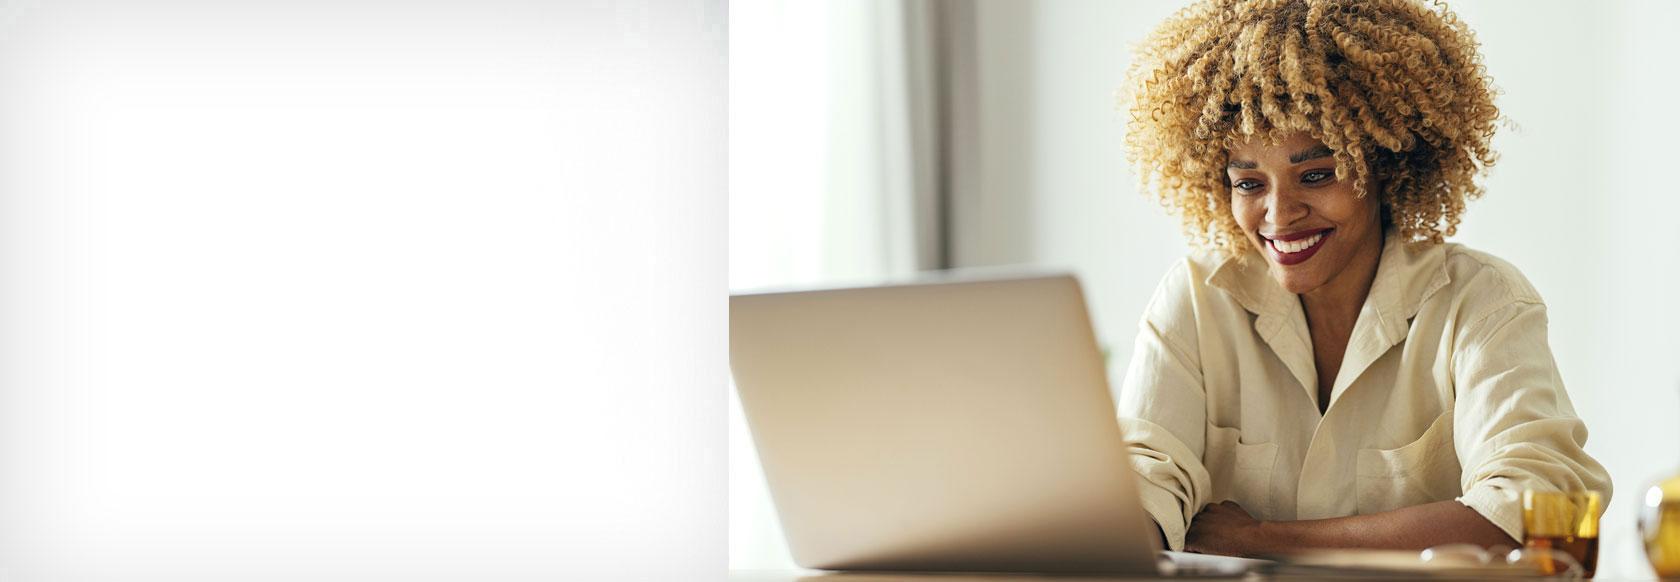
[960, 424]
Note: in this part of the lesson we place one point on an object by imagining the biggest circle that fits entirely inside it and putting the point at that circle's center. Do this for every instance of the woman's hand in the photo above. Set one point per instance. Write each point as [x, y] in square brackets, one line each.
[1227, 529]
[1224, 528]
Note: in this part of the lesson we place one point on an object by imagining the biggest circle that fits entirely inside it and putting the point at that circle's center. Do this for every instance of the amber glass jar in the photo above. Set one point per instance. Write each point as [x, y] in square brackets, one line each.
[1659, 525]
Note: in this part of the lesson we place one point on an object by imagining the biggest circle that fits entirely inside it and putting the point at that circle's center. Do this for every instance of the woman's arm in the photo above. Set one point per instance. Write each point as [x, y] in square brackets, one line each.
[1227, 529]
[1514, 427]
[1162, 410]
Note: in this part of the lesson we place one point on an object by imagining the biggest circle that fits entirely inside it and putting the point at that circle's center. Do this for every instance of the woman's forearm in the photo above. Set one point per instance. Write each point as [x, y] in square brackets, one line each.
[1409, 528]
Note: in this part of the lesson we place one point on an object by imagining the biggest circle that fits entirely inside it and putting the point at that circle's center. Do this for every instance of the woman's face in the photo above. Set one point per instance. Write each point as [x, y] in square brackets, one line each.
[1307, 223]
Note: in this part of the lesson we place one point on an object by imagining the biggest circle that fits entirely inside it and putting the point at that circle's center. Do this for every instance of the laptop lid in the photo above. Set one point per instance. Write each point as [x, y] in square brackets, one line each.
[944, 426]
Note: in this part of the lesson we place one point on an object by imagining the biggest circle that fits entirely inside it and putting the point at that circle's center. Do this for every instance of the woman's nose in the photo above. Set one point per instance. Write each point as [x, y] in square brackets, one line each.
[1285, 207]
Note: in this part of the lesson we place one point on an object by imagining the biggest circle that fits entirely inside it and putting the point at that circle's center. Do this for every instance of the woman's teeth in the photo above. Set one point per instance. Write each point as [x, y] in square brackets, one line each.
[1296, 246]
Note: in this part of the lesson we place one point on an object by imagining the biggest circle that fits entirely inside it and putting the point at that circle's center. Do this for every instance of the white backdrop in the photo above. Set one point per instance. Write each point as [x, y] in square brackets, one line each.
[1582, 202]
[362, 290]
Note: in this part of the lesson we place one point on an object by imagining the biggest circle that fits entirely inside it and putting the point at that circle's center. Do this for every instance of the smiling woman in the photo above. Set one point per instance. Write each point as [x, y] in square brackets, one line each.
[1310, 379]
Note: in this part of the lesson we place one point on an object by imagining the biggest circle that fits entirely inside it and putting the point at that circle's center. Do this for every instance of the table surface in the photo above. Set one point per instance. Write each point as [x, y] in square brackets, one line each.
[818, 575]
[821, 576]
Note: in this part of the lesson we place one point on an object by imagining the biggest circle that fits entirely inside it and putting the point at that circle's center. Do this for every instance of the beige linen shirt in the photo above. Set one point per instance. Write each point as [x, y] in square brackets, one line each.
[1448, 390]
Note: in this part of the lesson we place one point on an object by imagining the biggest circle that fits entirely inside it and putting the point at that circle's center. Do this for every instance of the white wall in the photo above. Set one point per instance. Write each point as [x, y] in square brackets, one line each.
[1054, 186]
[362, 290]
[1633, 406]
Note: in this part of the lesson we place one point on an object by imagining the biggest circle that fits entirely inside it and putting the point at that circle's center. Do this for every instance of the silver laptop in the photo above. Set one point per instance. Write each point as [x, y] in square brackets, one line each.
[944, 426]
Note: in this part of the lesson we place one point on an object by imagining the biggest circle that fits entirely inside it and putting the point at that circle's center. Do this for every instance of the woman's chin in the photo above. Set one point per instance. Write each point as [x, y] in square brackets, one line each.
[1295, 281]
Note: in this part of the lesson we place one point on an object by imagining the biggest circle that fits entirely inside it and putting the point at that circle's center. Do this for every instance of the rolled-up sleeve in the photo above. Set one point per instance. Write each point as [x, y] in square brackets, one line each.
[1514, 426]
[1162, 409]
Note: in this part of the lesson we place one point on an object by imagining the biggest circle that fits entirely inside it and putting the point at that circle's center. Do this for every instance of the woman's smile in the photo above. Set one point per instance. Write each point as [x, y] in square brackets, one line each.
[1296, 247]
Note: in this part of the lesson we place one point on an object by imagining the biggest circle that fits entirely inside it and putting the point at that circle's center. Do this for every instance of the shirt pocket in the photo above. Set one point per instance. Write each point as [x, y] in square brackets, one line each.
[1423, 471]
[1240, 472]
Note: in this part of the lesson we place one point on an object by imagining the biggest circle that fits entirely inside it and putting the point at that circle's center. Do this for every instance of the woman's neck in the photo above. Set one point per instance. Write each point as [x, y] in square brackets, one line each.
[1334, 307]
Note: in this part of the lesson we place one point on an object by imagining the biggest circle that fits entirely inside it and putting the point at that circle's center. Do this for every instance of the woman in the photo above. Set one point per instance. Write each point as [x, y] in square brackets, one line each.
[1331, 373]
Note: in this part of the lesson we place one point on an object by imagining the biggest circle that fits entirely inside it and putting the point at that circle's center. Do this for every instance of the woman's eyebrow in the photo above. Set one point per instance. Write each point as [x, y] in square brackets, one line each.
[1312, 153]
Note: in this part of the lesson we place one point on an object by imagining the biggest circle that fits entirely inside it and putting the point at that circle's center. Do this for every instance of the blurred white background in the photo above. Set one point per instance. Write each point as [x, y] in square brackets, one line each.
[1583, 201]
[361, 289]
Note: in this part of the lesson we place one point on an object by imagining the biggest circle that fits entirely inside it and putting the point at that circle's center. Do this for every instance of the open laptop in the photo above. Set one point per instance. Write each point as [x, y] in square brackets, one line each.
[954, 425]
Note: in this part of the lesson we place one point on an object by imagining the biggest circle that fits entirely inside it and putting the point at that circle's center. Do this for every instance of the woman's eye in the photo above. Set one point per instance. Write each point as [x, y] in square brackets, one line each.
[1317, 176]
[1246, 185]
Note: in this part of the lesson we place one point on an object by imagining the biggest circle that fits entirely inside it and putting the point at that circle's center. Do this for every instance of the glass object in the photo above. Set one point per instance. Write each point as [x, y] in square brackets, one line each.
[1563, 521]
[1659, 525]
[1551, 562]
[1472, 562]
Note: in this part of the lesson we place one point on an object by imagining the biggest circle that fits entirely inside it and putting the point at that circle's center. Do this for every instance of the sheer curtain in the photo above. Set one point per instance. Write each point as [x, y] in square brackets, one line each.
[835, 174]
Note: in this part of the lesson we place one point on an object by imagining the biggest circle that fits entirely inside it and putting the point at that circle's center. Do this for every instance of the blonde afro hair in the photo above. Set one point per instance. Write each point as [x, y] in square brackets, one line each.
[1394, 87]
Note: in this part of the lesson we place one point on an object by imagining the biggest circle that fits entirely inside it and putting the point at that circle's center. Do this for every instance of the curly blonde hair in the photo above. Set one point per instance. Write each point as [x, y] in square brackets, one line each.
[1394, 87]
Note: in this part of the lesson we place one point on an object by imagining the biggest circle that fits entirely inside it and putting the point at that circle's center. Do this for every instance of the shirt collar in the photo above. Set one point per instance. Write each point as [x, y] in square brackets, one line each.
[1407, 274]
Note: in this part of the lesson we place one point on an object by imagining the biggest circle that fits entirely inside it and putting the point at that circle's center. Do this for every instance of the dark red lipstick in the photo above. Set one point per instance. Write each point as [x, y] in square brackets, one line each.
[1295, 247]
